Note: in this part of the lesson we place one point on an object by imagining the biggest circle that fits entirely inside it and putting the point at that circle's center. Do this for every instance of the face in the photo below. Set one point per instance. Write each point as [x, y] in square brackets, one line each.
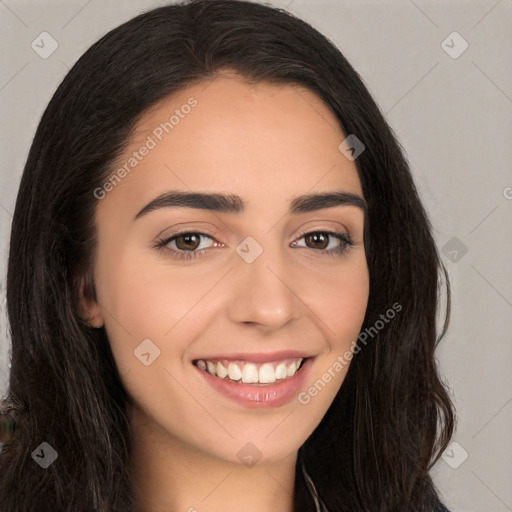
[232, 319]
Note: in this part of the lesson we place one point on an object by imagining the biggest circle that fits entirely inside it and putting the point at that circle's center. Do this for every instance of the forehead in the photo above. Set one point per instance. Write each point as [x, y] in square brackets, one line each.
[222, 134]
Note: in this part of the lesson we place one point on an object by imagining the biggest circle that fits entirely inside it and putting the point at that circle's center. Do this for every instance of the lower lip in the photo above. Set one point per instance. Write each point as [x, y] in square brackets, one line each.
[259, 395]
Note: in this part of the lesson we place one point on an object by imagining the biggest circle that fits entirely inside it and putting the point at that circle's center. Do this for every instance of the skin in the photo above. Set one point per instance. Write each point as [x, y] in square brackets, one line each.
[268, 144]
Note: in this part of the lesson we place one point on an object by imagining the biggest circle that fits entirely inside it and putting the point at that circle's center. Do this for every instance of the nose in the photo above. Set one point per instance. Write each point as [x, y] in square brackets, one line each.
[263, 291]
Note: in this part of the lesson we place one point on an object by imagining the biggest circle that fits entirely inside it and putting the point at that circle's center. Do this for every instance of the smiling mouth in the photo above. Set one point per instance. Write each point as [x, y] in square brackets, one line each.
[245, 372]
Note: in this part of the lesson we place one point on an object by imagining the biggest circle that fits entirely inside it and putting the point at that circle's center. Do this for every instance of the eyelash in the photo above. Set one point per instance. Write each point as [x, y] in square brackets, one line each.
[189, 255]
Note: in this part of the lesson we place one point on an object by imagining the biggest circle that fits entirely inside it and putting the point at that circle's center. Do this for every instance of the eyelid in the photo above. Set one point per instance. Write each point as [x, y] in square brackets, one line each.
[164, 240]
[170, 232]
[331, 230]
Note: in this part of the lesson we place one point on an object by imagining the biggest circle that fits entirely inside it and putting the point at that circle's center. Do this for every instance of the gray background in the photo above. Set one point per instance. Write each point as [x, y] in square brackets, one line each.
[453, 116]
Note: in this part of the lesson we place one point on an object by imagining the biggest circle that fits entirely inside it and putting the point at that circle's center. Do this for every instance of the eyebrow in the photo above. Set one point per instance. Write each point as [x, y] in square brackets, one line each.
[229, 203]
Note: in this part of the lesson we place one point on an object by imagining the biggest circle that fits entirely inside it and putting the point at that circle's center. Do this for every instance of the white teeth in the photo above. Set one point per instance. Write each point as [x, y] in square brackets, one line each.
[234, 372]
[291, 369]
[221, 370]
[267, 374]
[281, 371]
[250, 373]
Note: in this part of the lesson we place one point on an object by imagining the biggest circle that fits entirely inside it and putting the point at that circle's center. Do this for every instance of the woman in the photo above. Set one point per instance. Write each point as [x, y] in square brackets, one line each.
[222, 285]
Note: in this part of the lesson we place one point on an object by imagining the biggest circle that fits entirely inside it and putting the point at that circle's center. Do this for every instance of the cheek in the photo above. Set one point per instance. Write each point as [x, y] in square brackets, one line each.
[151, 316]
[340, 301]
[142, 299]
[350, 305]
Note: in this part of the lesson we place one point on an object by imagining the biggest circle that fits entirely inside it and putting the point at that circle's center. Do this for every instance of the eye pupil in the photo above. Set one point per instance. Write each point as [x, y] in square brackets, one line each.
[187, 238]
[320, 238]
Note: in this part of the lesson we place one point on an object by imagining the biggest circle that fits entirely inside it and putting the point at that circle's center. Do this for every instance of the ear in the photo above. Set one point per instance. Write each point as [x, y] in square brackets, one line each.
[90, 311]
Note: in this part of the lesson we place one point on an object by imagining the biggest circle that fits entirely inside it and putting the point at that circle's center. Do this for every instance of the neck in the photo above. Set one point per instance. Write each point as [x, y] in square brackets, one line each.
[171, 476]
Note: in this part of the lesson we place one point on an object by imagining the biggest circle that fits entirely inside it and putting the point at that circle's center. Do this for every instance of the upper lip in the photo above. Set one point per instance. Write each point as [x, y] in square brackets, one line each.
[257, 357]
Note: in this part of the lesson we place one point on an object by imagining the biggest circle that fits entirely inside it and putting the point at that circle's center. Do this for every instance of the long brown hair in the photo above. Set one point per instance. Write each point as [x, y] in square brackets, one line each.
[392, 417]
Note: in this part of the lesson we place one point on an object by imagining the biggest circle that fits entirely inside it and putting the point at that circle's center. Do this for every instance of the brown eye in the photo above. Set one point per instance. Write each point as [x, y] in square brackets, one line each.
[186, 245]
[319, 240]
[190, 241]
